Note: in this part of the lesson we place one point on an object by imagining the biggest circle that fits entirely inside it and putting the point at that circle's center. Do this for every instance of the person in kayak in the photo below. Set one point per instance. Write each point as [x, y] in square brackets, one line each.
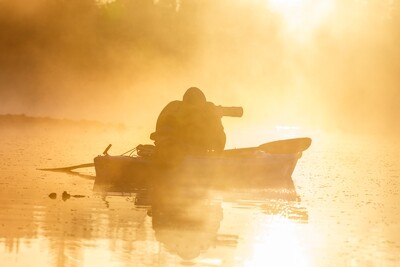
[189, 127]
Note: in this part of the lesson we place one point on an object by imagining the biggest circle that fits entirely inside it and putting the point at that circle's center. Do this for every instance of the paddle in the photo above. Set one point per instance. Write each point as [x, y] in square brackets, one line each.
[287, 146]
[68, 169]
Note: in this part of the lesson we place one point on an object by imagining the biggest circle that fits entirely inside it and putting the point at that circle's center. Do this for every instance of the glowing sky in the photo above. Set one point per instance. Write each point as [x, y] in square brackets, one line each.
[322, 64]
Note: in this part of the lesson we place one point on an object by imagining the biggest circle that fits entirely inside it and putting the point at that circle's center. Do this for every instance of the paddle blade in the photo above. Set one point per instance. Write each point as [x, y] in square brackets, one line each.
[288, 146]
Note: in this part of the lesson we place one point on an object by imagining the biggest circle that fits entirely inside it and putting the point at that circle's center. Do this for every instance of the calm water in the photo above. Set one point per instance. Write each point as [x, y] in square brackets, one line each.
[349, 212]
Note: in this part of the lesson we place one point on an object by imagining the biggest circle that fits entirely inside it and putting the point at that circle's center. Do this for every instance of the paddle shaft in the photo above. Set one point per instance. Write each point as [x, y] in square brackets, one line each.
[70, 168]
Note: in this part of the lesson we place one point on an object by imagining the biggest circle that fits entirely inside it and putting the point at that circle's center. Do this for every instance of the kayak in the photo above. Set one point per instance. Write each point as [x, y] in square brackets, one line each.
[127, 173]
[270, 165]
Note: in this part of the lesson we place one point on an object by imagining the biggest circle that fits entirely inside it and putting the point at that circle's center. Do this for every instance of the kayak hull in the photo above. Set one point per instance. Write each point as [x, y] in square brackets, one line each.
[129, 174]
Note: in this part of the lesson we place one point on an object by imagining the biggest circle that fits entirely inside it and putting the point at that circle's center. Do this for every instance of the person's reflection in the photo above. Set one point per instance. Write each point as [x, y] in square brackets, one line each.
[185, 222]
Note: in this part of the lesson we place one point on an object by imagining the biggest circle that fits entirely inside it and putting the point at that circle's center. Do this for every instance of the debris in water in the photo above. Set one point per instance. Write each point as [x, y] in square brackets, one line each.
[65, 196]
[53, 195]
[78, 196]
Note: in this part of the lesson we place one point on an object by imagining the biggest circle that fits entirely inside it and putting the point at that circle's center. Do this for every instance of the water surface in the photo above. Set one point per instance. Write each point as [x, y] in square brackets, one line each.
[347, 215]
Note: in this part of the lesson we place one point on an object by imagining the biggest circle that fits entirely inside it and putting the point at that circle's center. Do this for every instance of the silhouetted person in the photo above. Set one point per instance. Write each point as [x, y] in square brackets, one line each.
[189, 127]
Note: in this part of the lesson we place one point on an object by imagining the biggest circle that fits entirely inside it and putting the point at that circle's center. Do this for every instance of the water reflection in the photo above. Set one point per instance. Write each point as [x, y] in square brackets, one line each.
[186, 220]
[168, 225]
[279, 243]
[185, 225]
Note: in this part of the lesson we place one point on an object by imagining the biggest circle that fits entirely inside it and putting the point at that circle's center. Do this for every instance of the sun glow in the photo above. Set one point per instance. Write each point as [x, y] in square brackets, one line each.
[302, 17]
[281, 246]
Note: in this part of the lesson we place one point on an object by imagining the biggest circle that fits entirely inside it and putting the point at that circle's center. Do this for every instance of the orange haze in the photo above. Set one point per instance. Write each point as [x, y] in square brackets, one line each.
[330, 65]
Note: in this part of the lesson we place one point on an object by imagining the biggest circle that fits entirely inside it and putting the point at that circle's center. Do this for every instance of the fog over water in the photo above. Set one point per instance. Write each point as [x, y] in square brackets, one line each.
[328, 64]
[78, 75]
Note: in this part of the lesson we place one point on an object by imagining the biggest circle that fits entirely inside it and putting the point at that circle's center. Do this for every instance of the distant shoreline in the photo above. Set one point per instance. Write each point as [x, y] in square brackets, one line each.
[15, 120]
